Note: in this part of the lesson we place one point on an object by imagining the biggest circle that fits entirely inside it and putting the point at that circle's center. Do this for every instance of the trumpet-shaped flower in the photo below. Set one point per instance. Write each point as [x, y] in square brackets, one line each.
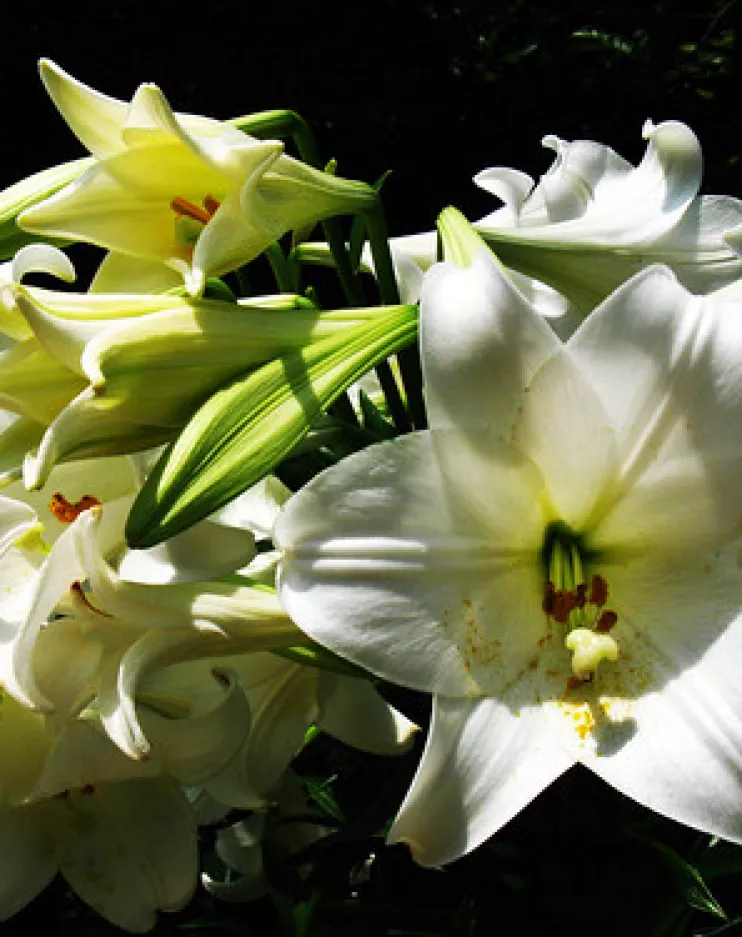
[285, 699]
[557, 559]
[196, 194]
[593, 220]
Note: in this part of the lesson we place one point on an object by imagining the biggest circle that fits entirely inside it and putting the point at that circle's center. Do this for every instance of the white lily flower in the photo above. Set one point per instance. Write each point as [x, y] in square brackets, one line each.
[196, 194]
[593, 220]
[33, 258]
[285, 699]
[121, 834]
[573, 512]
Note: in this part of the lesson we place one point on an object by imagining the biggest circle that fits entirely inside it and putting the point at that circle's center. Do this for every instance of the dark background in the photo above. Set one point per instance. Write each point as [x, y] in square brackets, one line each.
[434, 91]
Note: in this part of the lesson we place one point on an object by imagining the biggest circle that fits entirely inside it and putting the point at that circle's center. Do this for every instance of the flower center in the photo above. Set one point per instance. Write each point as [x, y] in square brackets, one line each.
[569, 601]
[190, 219]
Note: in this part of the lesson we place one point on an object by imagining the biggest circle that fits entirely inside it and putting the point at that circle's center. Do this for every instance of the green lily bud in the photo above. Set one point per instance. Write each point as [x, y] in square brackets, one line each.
[249, 426]
[115, 373]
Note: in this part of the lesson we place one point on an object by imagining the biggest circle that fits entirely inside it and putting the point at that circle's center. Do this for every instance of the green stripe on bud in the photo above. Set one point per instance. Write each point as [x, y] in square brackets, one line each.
[461, 243]
[245, 429]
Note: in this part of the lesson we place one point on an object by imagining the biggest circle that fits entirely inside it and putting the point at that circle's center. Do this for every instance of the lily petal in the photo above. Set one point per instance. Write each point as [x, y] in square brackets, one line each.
[483, 764]
[380, 526]
[355, 712]
[137, 853]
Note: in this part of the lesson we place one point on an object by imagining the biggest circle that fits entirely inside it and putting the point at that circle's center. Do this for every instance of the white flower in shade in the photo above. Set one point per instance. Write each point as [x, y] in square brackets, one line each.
[285, 699]
[64, 601]
[291, 825]
[121, 834]
[195, 194]
[557, 559]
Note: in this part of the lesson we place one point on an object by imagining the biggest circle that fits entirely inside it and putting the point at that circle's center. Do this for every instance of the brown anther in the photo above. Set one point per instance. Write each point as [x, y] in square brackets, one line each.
[581, 595]
[186, 209]
[548, 604]
[574, 683]
[606, 621]
[564, 603]
[211, 205]
[67, 511]
[598, 591]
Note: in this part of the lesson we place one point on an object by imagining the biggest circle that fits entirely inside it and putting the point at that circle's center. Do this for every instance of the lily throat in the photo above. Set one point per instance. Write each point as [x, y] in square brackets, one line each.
[577, 601]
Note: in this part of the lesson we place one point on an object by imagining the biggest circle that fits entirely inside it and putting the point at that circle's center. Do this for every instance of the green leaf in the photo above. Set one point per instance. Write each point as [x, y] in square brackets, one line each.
[688, 881]
[245, 429]
[318, 790]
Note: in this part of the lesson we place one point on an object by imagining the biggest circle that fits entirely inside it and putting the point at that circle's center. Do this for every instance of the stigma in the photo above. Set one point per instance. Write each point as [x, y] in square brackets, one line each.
[589, 648]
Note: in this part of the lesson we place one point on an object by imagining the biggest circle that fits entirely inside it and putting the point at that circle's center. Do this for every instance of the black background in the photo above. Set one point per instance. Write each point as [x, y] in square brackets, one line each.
[433, 90]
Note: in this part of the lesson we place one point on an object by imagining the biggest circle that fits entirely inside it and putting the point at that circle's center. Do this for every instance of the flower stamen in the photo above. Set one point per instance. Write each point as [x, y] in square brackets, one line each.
[569, 602]
[185, 209]
[67, 511]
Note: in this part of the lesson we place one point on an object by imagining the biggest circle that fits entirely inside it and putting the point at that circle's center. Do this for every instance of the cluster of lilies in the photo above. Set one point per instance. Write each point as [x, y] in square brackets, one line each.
[528, 505]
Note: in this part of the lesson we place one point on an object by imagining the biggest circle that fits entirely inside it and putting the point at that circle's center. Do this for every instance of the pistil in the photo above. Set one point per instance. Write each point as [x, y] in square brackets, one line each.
[568, 602]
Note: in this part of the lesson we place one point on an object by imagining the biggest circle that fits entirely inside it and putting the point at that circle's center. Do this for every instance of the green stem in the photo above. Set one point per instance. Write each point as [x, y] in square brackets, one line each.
[280, 267]
[287, 123]
[394, 401]
[343, 410]
[408, 358]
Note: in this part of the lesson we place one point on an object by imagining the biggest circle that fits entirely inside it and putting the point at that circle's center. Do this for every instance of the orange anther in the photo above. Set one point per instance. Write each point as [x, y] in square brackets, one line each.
[67, 511]
[181, 206]
[211, 205]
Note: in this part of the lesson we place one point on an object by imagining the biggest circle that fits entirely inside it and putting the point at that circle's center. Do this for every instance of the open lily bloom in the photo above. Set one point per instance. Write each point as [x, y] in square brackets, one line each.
[121, 834]
[556, 559]
[195, 194]
[65, 601]
[593, 220]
